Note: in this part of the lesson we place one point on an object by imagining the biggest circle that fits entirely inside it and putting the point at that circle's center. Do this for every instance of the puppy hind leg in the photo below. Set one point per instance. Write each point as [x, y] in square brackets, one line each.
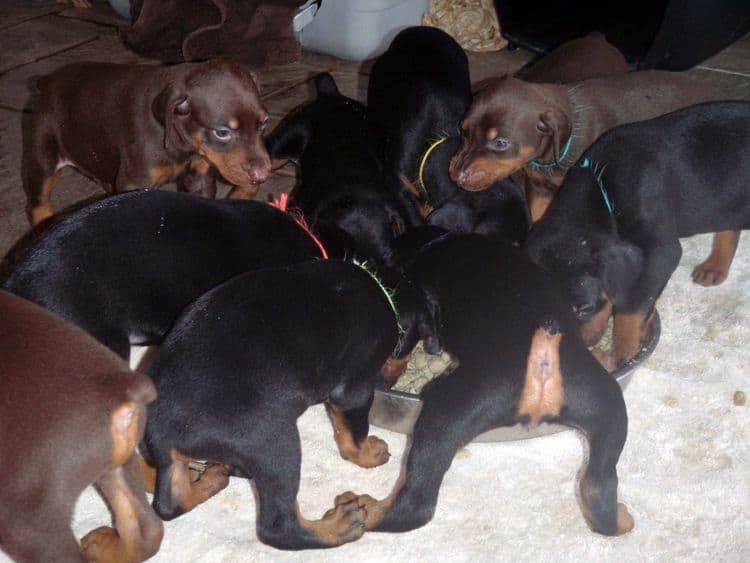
[39, 533]
[450, 418]
[138, 530]
[715, 269]
[275, 467]
[605, 429]
[41, 174]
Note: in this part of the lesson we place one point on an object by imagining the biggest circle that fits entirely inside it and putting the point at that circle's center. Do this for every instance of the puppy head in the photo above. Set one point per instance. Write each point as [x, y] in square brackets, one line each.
[330, 119]
[597, 270]
[509, 124]
[214, 109]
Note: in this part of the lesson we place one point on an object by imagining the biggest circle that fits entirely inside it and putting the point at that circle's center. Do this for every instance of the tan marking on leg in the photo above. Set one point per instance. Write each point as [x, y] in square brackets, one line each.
[394, 368]
[628, 336]
[138, 530]
[126, 428]
[542, 393]
[43, 210]
[593, 330]
[148, 474]
[715, 269]
[243, 192]
[375, 509]
[372, 452]
[190, 493]
[341, 524]
[625, 522]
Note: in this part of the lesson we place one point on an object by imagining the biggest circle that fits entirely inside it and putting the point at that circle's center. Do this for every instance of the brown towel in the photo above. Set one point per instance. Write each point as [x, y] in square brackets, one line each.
[255, 32]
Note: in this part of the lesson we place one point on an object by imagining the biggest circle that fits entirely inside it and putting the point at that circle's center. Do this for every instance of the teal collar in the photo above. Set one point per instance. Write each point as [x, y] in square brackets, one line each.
[559, 163]
[597, 172]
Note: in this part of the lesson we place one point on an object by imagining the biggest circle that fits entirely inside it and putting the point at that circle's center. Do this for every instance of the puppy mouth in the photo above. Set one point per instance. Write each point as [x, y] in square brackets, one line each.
[237, 169]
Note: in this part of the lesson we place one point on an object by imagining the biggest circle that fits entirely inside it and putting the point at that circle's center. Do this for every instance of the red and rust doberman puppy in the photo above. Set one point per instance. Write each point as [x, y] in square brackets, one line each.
[132, 127]
[72, 413]
[520, 359]
[612, 234]
[240, 366]
[542, 130]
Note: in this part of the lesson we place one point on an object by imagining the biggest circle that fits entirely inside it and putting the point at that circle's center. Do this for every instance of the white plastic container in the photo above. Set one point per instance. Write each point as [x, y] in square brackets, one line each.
[356, 29]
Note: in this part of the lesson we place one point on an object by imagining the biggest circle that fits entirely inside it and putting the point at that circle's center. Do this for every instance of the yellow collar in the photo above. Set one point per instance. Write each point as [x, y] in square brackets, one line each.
[424, 160]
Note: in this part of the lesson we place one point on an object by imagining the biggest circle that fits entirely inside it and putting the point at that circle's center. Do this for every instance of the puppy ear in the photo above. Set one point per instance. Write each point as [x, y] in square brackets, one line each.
[555, 123]
[325, 85]
[620, 267]
[288, 140]
[170, 107]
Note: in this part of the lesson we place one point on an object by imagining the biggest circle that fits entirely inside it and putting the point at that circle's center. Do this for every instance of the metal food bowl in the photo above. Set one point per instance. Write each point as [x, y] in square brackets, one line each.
[398, 411]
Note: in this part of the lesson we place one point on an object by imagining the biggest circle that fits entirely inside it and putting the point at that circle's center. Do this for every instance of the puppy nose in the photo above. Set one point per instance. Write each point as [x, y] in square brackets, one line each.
[257, 171]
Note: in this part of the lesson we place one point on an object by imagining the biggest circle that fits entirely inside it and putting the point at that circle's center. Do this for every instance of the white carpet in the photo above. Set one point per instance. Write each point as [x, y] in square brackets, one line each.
[684, 473]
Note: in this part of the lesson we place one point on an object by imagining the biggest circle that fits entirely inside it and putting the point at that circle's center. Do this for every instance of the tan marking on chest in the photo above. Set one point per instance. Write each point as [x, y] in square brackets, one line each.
[542, 393]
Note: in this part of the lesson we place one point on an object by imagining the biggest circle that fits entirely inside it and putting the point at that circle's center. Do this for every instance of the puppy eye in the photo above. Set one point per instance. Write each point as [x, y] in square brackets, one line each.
[223, 133]
[500, 144]
[264, 122]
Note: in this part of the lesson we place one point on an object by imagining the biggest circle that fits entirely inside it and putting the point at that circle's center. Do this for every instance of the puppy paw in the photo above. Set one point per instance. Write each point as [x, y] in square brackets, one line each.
[625, 522]
[343, 523]
[372, 453]
[104, 545]
[709, 274]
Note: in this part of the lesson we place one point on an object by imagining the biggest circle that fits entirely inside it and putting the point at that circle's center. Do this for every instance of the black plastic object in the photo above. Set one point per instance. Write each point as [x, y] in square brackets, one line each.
[668, 35]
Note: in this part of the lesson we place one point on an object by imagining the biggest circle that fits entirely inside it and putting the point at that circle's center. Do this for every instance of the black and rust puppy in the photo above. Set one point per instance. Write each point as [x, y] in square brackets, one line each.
[131, 127]
[124, 267]
[613, 236]
[341, 187]
[499, 211]
[521, 359]
[242, 363]
[72, 414]
[418, 91]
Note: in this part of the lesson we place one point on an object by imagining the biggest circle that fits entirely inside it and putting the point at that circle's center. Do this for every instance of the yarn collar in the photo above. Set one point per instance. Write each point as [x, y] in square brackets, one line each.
[425, 156]
[282, 204]
[597, 171]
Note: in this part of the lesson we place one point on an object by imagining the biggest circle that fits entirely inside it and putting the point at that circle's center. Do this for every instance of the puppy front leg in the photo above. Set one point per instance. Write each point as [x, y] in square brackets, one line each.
[350, 428]
[634, 307]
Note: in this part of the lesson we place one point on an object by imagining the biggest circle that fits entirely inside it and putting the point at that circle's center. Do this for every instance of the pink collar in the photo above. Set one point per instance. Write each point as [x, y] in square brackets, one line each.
[282, 204]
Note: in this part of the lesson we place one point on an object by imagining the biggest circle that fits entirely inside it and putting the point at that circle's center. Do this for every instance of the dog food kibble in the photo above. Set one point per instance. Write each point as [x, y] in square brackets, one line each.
[739, 398]
[421, 369]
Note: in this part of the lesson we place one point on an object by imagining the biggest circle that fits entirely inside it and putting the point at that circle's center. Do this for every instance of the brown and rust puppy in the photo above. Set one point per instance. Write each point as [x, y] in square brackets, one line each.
[72, 413]
[521, 359]
[542, 129]
[590, 56]
[132, 127]
[612, 235]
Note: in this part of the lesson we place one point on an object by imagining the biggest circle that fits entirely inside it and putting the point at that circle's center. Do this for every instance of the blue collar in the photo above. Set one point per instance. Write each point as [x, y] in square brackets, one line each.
[566, 148]
[597, 172]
